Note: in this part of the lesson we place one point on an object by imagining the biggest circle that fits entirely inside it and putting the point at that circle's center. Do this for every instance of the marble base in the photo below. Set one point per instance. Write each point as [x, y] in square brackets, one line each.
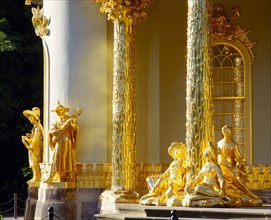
[68, 203]
[30, 203]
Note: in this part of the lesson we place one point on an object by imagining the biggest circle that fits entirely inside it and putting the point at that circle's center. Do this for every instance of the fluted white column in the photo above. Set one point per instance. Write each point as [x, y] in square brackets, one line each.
[75, 72]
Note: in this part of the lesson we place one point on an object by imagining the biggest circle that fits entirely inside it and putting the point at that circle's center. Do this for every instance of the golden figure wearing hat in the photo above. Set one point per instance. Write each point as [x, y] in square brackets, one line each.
[33, 142]
[208, 187]
[231, 162]
[167, 188]
[63, 138]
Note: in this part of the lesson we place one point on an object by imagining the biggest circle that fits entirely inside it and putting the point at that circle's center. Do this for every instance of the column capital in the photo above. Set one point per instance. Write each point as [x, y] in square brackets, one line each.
[124, 10]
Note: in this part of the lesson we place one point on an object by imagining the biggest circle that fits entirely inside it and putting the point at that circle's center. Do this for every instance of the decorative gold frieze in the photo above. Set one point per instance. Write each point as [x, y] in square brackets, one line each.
[259, 176]
[92, 175]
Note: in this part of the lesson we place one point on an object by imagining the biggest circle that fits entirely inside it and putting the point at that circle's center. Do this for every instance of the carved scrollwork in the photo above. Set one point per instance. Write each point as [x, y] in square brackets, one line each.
[227, 28]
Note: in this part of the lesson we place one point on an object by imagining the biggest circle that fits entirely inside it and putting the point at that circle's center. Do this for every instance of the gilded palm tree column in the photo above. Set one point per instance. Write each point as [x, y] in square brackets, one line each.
[124, 14]
[199, 107]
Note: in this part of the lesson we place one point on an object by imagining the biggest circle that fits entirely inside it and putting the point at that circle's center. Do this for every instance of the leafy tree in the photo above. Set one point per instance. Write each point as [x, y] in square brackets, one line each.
[21, 87]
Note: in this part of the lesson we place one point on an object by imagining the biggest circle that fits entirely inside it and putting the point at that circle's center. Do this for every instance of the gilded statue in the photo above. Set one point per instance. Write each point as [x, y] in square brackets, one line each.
[231, 163]
[167, 188]
[33, 142]
[208, 187]
[40, 22]
[63, 138]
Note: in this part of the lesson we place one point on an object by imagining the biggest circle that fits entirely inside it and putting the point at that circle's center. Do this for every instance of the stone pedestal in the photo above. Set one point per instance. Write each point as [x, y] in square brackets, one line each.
[63, 200]
[30, 204]
[68, 203]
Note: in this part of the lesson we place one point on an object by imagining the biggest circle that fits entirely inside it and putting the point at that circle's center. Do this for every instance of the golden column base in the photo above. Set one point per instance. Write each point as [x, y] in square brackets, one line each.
[119, 196]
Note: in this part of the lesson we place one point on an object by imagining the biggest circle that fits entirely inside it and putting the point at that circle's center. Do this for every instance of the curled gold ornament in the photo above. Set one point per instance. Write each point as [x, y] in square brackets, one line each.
[40, 22]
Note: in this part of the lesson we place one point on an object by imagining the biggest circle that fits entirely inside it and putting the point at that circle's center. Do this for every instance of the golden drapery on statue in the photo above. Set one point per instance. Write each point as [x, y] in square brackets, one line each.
[222, 180]
[63, 138]
[208, 187]
[34, 142]
[219, 183]
[167, 188]
[231, 162]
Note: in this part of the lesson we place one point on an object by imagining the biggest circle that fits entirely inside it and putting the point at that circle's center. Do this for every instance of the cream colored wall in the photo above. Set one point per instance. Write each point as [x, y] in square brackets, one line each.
[160, 69]
[161, 77]
[75, 73]
[256, 15]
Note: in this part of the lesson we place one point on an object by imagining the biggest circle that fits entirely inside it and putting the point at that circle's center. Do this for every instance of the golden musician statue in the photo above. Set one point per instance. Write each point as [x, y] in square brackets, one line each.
[33, 142]
[167, 188]
[63, 138]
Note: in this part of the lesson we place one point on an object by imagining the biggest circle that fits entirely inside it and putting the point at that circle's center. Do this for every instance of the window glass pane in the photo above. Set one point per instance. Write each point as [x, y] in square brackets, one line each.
[228, 93]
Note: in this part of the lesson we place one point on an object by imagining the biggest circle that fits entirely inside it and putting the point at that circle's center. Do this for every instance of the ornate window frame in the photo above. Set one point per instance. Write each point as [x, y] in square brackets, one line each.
[226, 31]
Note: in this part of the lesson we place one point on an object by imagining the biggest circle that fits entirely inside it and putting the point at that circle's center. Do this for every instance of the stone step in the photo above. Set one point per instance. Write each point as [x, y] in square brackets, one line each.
[139, 212]
[264, 194]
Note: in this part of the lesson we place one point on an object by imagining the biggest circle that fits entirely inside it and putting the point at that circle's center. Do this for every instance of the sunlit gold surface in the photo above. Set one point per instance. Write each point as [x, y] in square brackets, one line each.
[99, 175]
[199, 123]
[63, 140]
[233, 170]
[227, 28]
[207, 189]
[167, 188]
[34, 142]
[233, 43]
[124, 14]
[40, 22]
[37, 2]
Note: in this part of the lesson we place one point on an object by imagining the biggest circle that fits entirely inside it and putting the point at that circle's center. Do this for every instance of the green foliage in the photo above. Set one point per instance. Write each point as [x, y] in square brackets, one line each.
[27, 172]
[21, 87]
[6, 43]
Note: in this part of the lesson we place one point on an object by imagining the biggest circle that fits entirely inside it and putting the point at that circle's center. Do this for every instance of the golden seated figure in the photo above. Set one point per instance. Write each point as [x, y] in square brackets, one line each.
[231, 163]
[208, 187]
[167, 188]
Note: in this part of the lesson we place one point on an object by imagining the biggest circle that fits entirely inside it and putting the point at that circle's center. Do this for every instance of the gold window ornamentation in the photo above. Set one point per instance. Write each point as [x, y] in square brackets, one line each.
[232, 60]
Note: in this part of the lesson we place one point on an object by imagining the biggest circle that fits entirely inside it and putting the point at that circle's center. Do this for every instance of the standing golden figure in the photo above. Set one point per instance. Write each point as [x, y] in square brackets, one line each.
[33, 142]
[208, 187]
[167, 188]
[63, 138]
[231, 162]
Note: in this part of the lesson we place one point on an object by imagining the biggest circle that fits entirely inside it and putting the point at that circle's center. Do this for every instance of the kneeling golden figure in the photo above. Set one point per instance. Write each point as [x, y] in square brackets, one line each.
[167, 188]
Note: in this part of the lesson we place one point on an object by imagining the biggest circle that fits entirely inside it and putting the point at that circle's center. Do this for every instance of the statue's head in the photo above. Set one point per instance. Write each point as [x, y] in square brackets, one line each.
[210, 152]
[227, 131]
[177, 149]
[60, 109]
[33, 115]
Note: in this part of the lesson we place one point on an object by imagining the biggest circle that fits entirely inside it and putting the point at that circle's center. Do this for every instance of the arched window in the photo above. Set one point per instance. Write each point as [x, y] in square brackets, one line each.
[231, 62]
